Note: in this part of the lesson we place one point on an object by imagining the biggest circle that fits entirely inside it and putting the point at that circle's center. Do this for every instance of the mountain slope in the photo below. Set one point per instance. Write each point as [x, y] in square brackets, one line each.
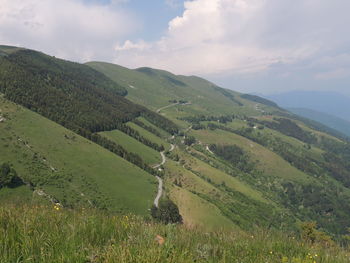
[75, 96]
[71, 169]
[155, 88]
[286, 163]
[237, 158]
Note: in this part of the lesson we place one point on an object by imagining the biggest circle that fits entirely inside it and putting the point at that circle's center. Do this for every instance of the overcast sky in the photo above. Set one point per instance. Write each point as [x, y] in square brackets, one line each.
[262, 46]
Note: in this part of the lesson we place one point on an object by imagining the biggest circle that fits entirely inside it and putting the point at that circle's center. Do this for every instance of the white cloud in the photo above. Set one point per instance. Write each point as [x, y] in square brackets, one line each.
[66, 28]
[244, 36]
[129, 45]
[214, 38]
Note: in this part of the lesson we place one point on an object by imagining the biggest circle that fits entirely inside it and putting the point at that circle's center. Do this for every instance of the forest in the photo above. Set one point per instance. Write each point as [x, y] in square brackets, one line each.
[289, 128]
[235, 155]
[77, 97]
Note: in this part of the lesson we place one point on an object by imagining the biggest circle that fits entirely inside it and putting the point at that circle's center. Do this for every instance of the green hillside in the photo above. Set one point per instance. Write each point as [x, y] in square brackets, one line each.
[228, 160]
[77, 97]
[149, 155]
[239, 153]
[148, 135]
[157, 88]
[68, 167]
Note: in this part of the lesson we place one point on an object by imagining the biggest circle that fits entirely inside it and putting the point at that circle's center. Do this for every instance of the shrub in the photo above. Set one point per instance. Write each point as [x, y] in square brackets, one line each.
[9, 177]
[311, 235]
[167, 212]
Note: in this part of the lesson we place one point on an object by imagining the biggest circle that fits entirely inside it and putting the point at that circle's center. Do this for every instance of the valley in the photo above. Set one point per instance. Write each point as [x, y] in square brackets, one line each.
[101, 136]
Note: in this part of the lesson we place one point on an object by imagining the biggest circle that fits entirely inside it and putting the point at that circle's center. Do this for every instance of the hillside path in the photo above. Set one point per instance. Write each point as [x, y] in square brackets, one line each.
[209, 150]
[162, 162]
[160, 191]
[167, 106]
[160, 180]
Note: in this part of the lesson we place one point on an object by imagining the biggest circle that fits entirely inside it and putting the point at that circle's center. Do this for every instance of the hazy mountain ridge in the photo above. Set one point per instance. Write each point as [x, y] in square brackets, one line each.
[332, 103]
[332, 121]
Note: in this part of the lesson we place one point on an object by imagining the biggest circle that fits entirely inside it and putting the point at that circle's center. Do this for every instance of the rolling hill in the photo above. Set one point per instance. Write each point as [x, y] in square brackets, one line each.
[57, 163]
[155, 88]
[288, 170]
[232, 161]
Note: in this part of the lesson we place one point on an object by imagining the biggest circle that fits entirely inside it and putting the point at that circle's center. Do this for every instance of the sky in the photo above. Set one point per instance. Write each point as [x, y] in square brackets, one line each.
[252, 46]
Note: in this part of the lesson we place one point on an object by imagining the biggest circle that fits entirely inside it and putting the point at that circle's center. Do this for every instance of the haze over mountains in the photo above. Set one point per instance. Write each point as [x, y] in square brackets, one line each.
[331, 121]
[327, 107]
[329, 102]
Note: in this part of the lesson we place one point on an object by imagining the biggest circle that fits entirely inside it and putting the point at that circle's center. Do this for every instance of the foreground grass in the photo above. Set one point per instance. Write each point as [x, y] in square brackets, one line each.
[53, 234]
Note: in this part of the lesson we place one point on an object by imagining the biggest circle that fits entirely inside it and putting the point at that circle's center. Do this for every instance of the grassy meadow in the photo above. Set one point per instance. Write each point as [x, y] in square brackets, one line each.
[69, 167]
[33, 233]
[149, 155]
[150, 136]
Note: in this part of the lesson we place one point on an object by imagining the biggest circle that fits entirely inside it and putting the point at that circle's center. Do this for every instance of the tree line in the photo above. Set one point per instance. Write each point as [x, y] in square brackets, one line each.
[9, 177]
[77, 97]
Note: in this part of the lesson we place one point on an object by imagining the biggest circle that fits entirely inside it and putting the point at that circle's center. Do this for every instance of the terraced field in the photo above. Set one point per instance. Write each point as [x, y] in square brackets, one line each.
[150, 136]
[149, 155]
[268, 161]
[69, 167]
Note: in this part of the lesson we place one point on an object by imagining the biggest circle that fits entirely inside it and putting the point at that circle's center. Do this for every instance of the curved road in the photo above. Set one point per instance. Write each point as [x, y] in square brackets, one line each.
[163, 160]
[160, 180]
[209, 150]
[167, 106]
[160, 191]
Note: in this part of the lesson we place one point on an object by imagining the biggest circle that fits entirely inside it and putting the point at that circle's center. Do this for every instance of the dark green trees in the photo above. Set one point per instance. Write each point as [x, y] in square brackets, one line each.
[189, 140]
[9, 177]
[235, 155]
[167, 212]
[77, 97]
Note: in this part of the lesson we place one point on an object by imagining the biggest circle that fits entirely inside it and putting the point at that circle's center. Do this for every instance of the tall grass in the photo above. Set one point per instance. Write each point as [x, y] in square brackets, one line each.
[54, 234]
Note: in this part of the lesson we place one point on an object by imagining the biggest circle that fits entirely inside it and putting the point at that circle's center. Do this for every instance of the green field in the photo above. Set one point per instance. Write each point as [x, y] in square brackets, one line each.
[269, 162]
[69, 167]
[217, 176]
[199, 213]
[154, 88]
[149, 155]
[149, 136]
[163, 133]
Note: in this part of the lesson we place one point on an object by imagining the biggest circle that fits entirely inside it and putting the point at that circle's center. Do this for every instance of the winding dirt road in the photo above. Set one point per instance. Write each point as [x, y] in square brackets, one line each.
[160, 191]
[167, 106]
[209, 150]
[160, 180]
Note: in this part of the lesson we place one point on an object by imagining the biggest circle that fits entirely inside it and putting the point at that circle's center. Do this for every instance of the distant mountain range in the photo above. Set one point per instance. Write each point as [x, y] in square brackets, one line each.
[329, 102]
[327, 107]
[329, 120]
